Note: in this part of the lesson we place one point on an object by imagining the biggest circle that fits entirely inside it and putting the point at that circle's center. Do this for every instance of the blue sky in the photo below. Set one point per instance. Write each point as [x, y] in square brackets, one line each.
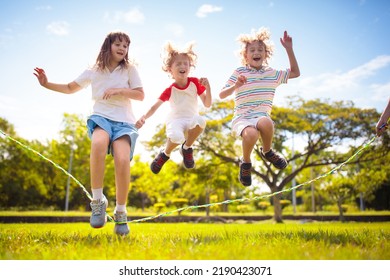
[342, 49]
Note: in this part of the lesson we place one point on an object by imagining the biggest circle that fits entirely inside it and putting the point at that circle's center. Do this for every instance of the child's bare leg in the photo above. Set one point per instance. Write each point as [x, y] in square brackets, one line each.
[121, 148]
[193, 134]
[170, 146]
[99, 146]
[266, 128]
[249, 135]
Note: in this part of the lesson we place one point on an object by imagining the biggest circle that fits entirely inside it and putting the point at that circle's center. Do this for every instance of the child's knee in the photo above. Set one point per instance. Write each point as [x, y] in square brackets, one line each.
[250, 133]
[176, 137]
[265, 124]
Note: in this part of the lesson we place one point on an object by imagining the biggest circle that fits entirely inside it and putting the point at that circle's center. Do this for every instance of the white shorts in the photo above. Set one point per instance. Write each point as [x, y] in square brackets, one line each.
[240, 125]
[177, 129]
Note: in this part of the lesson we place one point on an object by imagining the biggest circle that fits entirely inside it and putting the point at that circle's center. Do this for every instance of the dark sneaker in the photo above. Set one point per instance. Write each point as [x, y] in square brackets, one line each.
[245, 173]
[121, 226]
[277, 160]
[188, 158]
[158, 162]
[98, 218]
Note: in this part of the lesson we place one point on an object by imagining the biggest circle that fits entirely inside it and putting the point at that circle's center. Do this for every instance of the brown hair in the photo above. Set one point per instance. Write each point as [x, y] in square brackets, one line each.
[103, 59]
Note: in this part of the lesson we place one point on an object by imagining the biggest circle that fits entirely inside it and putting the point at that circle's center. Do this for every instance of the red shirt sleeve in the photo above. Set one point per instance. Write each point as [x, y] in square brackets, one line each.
[199, 87]
[166, 94]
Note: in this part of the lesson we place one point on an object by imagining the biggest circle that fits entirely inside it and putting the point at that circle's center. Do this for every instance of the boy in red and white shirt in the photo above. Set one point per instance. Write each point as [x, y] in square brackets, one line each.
[183, 124]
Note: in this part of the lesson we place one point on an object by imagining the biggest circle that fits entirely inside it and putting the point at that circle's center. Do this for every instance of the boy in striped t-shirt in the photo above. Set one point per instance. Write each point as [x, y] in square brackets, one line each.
[254, 85]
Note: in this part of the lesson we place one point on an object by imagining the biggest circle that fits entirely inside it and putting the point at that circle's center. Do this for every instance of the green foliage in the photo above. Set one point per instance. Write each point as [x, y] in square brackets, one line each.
[29, 182]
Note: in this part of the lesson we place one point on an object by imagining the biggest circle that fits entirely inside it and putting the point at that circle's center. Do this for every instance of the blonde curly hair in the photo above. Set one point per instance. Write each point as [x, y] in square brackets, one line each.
[171, 52]
[261, 35]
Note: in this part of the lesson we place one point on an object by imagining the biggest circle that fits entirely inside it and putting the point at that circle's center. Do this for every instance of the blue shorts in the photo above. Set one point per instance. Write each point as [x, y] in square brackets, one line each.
[115, 130]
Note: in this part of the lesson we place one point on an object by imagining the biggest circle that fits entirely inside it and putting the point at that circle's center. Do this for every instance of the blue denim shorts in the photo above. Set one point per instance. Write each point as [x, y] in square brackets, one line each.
[114, 130]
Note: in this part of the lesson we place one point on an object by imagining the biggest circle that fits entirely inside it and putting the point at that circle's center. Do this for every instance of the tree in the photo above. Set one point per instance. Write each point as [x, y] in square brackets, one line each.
[322, 127]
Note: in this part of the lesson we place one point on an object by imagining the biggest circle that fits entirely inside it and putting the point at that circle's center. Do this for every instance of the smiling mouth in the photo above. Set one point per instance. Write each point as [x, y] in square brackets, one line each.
[257, 59]
[182, 72]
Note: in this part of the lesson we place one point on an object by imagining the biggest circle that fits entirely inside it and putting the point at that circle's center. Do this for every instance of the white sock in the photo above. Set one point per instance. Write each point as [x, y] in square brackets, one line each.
[185, 147]
[97, 194]
[120, 208]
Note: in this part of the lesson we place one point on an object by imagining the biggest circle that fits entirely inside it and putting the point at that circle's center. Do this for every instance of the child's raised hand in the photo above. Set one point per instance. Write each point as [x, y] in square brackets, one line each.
[204, 82]
[240, 81]
[41, 76]
[286, 41]
[140, 122]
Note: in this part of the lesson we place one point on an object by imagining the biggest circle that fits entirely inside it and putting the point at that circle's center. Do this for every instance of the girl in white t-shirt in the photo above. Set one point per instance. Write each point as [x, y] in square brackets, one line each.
[114, 82]
[183, 124]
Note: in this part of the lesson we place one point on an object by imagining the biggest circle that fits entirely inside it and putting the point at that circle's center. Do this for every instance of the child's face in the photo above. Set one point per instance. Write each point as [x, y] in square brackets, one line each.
[255, 54]
[119, 50]
[180, 67]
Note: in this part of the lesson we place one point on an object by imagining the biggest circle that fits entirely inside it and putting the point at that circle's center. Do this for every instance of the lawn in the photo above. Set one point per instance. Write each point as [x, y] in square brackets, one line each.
[192, 241]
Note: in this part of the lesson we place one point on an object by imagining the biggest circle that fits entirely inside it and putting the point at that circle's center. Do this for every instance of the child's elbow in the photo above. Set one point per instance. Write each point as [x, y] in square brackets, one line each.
[295, 74]
[141, 94]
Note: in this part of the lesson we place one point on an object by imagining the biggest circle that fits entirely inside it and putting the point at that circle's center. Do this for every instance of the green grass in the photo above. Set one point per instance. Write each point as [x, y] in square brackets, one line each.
[51, 213]
[182, 241]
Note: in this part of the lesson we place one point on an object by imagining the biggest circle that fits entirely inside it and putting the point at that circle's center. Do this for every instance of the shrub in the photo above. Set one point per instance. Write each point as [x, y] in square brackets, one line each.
[284, 203]
[263, 205]
[159, 206]
[243, 208]
[179, 203]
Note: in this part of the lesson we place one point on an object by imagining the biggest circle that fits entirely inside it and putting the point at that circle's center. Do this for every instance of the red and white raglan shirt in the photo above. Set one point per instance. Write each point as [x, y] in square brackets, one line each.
[183, 101]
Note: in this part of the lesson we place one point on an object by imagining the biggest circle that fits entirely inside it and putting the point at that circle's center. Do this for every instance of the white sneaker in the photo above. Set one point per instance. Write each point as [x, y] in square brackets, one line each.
[121, 226]
[98, 218]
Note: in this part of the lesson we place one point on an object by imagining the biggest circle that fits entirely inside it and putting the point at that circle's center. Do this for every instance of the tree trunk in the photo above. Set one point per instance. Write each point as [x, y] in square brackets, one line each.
[142, 195]
[339, 205]
[277, 208]
[207, 202]
[226, 197]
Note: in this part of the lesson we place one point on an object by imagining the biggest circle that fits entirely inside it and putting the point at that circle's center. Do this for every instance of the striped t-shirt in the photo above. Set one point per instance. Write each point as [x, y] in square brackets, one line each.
[254, 98]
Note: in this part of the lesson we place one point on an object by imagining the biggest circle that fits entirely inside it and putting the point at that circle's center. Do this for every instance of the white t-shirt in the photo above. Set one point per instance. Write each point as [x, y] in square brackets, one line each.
[117, 108]
[183, 101]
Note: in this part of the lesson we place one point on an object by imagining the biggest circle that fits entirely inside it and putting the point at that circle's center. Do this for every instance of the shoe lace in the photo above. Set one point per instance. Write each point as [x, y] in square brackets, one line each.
[121, 217]
[245, 172]
[160, 161]
[97, 208]
[188, 155]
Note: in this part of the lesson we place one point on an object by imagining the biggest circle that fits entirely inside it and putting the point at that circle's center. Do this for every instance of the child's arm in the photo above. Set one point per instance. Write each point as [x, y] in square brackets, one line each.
[382, 125]
[136, 93]
[72, 87]
[206, 97]
[287, 44]
[148, 114]
[228, 91]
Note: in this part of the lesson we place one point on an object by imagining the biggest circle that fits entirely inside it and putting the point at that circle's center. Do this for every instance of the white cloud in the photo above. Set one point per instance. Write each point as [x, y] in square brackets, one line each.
[60, 28]
[207, 9]
[350, 85]
[175, 28]
[337, 82]
[380, 92]
[133, 16]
